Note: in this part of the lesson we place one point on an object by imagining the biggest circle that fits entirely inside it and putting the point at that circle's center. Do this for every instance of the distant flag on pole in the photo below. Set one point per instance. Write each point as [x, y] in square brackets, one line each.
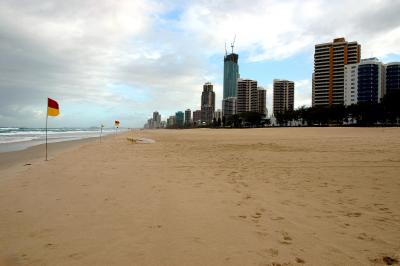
[52, 107]
[52, 110]
[101, 131]
[116, 123]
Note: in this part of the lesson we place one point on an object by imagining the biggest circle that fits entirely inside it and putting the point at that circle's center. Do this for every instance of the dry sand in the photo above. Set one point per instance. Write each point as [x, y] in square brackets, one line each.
[290, 196]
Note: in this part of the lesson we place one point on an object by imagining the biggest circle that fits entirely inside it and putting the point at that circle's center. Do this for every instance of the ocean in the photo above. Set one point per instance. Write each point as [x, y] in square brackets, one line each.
[13, 139]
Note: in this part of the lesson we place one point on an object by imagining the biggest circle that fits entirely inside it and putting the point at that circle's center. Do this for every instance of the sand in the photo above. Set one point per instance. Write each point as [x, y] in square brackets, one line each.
[37, 153]
[285, 196]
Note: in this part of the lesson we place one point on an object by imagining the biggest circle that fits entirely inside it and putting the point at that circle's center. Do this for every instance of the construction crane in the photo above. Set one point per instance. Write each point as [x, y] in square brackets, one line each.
[233, 43]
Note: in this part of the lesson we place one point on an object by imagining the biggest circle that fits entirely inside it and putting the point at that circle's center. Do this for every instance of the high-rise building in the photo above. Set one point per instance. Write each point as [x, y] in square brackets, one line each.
[179, 119]
[364, 82]
[247, 96]
[207, 103]
[218, 114]
[171, 121]
[313, 89]
[329, 61]
[231, 75]
[393, 78]
[262, 101]
[350, 84]
[188, 117]
[229, 106]
[197, 117]
[370, 81]
[156, 120]
[283, 96]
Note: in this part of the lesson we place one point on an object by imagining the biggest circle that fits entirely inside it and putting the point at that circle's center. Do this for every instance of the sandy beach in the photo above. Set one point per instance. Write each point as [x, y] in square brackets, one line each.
[36, 154]
[284, 196]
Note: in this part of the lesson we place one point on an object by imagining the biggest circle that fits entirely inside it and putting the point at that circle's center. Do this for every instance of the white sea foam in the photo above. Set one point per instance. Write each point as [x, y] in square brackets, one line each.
[25, 137]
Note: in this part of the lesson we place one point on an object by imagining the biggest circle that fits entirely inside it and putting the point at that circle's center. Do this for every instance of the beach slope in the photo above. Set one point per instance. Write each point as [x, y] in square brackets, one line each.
[287, 196]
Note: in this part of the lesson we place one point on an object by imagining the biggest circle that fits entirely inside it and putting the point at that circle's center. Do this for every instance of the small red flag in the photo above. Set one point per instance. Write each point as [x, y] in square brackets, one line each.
[52, 107]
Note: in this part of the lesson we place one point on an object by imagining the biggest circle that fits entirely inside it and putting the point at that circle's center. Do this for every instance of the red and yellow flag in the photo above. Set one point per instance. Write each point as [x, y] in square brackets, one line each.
[52, 107]
[116, 123]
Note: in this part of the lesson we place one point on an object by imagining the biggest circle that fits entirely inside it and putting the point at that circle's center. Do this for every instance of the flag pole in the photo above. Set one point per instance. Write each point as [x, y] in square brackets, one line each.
[101, 131]
[47, 118]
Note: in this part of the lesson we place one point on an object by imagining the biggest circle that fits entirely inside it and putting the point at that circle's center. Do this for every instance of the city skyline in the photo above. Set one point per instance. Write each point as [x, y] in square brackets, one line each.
[118, 68]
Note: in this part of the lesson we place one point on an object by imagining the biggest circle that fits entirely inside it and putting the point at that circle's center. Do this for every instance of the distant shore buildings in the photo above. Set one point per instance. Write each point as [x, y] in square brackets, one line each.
[392, 78]
[328, 78]
[340, 78]
[197, 117]
[179, 119]
[188, 117]
[250, 97]
[369, 81]
[283, 96]
[364, 82]
[154, 122]
[207, 104]
[231, 76]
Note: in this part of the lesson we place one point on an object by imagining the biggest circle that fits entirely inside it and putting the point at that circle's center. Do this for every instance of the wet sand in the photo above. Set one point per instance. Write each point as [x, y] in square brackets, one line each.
[285, 196]
[38, 153]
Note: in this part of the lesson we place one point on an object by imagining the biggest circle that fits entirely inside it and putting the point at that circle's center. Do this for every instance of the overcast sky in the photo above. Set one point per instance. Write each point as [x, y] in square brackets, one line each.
[106, 60]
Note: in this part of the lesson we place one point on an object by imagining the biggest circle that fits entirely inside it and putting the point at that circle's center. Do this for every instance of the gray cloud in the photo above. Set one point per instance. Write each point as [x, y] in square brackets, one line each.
[79, 51]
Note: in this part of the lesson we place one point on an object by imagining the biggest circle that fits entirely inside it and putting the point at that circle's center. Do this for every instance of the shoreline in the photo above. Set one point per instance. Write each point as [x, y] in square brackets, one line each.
[10, 159]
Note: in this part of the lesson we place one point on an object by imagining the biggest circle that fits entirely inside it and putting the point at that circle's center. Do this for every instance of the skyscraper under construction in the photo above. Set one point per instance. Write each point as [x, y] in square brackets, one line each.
[231, 75]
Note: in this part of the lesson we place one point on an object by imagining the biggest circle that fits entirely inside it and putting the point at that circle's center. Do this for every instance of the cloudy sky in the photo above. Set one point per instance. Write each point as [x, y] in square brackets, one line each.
[104, 60]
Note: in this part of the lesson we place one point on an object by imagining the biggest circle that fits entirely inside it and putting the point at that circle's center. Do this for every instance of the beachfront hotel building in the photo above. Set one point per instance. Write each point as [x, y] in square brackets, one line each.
[393, 78]
[330, 60]
[156, 122]
[179, 119]
[370, 81]
[207, 103]
[262, 101]
[283, 96]
[350, 84]
[197, 117]
[188, 117]
[231, 75]
[171, 121]
[247, 96]
[229, 106]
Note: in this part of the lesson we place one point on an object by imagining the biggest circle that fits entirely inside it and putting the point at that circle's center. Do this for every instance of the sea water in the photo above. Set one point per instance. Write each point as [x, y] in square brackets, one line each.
[13, 139]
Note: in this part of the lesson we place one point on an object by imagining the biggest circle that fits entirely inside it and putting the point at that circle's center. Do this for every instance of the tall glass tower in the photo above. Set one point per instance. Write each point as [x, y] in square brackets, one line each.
[392, 78]
[231, 75]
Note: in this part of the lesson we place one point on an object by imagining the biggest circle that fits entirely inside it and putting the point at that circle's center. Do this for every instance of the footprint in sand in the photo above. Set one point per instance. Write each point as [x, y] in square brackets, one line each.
[50, 245]
[286, 239]
[247, 197]
[244, 184]
[76, 255]
[386, 260]
[262, 234]
[353, 214]
[299, 260]
[256, 217]
[273, 252]
[364, 236]
[158, 226]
